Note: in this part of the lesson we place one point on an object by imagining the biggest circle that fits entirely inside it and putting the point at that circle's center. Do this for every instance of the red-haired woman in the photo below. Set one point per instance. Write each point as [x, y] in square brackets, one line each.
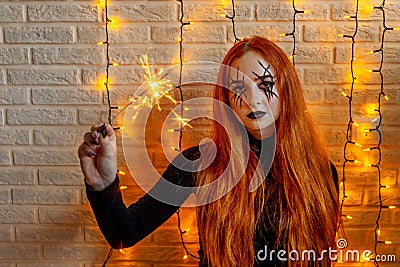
[283, 210]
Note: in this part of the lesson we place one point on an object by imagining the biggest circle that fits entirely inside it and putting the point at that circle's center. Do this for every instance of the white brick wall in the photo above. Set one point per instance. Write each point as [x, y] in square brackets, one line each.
[49, 96]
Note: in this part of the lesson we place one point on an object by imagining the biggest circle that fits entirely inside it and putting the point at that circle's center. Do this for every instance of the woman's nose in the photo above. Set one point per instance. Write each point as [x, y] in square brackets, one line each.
[255, 97]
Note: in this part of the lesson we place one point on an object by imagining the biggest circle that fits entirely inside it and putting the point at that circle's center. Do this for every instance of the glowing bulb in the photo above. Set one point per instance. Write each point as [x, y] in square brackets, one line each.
[386, 186]
[101, 43]
[307, 11]
[357, 162]
[171, 131]
[123, 187]
[367, 149]
[283, 34]
[357, 144]
[340, 35]
[185, 257]
[396, 29]
[347, 17]
[344, 94]
[341, 184]
[179, 39]
[114, 64]
[187, 230]
[121, 172]
[186, 109]
[122, 251]
[388, 242]
[392, 207]
[349, 217]
[223, 15]
[356, 124]
[386, 97]
[378, 232]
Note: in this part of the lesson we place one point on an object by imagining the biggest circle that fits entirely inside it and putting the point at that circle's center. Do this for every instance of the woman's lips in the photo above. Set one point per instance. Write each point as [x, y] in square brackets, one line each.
[256, 115]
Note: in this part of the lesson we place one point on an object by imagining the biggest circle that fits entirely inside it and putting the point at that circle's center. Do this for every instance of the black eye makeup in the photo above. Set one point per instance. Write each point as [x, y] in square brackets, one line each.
[267, 81]
[238, 88]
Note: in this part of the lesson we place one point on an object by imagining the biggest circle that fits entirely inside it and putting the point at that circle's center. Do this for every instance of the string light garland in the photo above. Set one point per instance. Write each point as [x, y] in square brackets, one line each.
[232, 18]
[377, 130]
[293, 33]
[350, 124]
[182, 121]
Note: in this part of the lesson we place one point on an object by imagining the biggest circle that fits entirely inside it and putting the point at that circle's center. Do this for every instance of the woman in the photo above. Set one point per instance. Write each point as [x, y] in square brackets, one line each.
[295, 207]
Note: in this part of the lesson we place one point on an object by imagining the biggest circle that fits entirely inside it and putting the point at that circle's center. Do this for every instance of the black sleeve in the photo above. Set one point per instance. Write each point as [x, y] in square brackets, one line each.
[124, 227]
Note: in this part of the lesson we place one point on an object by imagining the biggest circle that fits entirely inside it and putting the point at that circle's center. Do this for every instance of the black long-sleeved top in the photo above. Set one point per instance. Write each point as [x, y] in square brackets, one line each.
[125, 226]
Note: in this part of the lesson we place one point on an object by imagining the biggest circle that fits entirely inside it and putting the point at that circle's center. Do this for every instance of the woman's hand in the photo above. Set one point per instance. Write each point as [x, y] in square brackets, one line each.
[98, 157]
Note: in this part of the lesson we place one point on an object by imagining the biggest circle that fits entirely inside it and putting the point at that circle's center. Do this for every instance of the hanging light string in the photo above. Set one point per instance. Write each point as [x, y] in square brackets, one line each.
[182, 124]
[377, 130]
[232, 18]
[349, 137]
[293, 33]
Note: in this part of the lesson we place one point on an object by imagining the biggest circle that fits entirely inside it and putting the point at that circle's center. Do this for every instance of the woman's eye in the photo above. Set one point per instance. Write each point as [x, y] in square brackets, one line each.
[238, 89]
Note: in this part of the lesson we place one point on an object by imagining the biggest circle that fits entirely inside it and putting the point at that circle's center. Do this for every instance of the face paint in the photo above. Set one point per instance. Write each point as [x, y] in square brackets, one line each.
[267, 81]
[254, 82]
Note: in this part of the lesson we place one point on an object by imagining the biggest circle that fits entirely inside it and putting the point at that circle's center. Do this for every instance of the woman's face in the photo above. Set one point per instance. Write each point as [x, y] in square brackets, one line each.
[253, 95]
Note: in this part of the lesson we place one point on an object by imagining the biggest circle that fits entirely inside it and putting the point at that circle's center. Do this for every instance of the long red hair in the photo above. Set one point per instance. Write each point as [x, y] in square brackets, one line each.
[301, 191]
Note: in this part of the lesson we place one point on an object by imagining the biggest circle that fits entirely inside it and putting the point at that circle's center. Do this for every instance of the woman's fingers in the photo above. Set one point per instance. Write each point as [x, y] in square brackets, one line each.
[86, 151]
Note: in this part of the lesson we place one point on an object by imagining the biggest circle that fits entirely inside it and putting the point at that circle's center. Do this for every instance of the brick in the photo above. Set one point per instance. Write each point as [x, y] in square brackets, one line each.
[324, 114]
[11, 13]
[391, 75]
[129, 56]
[14, 96]
[313, 95]
[343, 55]
[391, 116]
[43, 76]
[74, 252]
[364, 216]
[14, 137]
[17, 177]
[171, 236]
[65, 96]
[393, 36]
[19, 251]
[94, 235]
[390, 196]
[213, 12]
[200, 53]
[271, 32]
[201, 34]
[146, 12]
[5, 157]
[39, 34]
[68, 56]
[118, 75]
[192, 34]
[316, 33]
[17, 214]
[90, 116]
[6, 233]
[66, 215]
[123, 35]
[40, 116]
[337, 75]
[75, 12]
[284, 12]
[4, 196]
[361, 95]
[49, 234]
[313, 55]
[46, 196]
[366, 13]
[13, 55]
[57, 137]
[355, 197]
[48, 157]
[61, 177]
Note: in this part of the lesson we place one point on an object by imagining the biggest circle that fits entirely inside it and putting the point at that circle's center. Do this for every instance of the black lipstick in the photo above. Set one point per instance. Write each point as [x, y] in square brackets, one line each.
[256, 115]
